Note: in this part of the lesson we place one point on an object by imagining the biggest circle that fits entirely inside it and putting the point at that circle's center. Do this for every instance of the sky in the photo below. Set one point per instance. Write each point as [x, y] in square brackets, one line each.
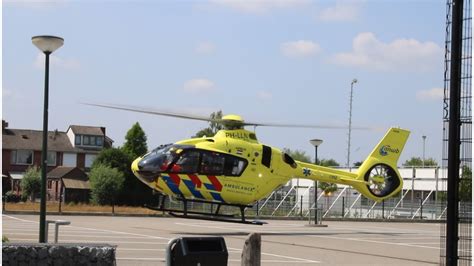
[279, 61]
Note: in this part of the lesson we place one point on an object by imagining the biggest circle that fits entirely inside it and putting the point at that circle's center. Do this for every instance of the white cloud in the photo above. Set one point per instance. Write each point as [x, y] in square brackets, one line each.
[401, 54]
[342, 11]
[205, 48]
[259, 6]
[264, 95]
[433, 94]
[301, 48]
[200, 85]
[56, 62]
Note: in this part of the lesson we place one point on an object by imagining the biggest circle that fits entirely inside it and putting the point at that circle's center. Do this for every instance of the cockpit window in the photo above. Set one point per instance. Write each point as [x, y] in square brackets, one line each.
[157, 160]
[186, 159]
[187, 163]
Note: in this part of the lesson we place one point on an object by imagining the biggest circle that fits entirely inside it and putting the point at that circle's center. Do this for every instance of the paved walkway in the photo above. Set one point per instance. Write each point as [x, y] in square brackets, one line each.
[142, 240]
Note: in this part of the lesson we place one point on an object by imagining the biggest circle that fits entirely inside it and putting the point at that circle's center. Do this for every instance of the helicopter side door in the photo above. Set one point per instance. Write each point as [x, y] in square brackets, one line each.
[206, 175]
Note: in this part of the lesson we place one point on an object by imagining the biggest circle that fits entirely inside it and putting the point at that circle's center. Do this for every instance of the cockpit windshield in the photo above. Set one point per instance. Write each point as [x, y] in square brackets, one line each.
[159, 159]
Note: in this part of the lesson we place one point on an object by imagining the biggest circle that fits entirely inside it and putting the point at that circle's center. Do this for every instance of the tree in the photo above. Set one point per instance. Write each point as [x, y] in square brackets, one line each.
[115, 158]
[418, 162]
[106, 183]
[134, 192]
[135, 141]
[327, 188]
[31, 182]
[465, 185]
[298, 155]
[358, 164]
[328, 163]
[213, 126]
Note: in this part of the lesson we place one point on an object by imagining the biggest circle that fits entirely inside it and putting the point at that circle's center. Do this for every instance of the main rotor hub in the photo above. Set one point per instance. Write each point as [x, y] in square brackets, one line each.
[232, 122]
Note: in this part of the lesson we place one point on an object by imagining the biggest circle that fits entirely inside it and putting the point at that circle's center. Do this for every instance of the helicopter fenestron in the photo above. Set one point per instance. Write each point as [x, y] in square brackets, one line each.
[233, 168]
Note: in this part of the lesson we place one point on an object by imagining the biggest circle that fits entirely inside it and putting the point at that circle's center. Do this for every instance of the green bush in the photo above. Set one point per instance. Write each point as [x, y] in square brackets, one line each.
[5, 239]
[31, 182]
[106, 183]
[10, 196]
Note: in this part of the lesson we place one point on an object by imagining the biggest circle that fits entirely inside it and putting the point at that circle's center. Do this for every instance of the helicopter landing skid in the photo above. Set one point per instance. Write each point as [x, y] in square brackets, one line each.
[216, 219]
[209, 216]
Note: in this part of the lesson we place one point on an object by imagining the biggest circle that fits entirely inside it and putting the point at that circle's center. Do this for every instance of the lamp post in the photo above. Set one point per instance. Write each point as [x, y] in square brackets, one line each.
[424, 140]
[316, 143]
[354, 81]
[47, 44]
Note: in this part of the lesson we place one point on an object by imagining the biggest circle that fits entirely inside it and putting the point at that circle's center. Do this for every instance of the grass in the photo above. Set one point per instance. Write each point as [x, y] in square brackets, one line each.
[88, 208]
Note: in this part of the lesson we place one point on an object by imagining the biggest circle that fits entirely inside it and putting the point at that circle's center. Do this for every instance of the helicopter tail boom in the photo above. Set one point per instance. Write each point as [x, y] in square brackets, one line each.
[377, 178]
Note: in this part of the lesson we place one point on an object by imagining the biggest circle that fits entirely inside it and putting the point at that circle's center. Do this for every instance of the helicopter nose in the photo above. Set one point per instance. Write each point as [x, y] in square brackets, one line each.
[144, 176]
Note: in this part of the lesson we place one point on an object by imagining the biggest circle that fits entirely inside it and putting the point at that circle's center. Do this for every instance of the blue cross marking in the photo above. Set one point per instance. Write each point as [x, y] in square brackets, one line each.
[306, 172]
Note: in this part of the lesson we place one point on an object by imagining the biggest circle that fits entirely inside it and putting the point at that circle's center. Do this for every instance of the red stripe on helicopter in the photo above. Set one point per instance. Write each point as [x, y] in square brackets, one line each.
[217, 185]
[196, 180]
[176, 179]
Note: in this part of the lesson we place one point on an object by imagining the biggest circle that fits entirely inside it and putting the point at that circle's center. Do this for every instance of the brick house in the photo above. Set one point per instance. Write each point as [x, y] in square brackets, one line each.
[77, 147]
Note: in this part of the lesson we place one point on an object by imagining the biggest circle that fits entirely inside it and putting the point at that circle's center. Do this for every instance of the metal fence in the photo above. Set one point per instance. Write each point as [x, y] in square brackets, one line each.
[343, 203]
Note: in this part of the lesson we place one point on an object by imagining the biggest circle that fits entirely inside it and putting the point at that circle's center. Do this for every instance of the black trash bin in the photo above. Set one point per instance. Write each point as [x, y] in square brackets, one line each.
[202, 251]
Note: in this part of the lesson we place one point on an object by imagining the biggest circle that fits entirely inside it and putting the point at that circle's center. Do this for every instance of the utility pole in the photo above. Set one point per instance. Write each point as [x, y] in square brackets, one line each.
[350, 126]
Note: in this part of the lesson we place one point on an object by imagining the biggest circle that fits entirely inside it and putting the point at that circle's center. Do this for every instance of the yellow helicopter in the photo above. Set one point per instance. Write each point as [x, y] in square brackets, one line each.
[233, 168]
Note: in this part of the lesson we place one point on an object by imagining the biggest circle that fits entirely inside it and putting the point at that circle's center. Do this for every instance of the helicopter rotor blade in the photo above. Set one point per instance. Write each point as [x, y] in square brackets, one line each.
[320, 126]
[219, 121]
[153, 111]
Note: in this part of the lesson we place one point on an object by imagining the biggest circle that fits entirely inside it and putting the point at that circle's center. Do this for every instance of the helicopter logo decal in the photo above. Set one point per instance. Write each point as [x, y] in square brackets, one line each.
[386, 148]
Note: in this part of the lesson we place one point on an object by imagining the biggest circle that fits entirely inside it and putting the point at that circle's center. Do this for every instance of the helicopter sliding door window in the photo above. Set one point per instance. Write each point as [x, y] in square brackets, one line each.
[234, 166]
[266, 155]
[212, 163]
[187, 163]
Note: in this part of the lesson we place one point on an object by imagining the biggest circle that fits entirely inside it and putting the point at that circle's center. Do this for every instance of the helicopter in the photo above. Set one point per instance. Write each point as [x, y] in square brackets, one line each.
[233, 168]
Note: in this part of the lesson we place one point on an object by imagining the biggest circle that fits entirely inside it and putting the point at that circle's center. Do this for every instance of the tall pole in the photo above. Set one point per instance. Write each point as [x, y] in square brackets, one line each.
[315, 188]
[44, 153]
[47, 44]
[424, 140]
[316, 143]
[452, 213]
[350, 126]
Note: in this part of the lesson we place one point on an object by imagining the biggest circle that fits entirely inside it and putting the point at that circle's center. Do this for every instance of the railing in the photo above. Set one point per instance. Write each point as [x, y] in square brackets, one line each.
[343, 203]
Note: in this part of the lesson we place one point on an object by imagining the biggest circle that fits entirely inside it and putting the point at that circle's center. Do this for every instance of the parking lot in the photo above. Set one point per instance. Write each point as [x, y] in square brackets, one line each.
[143, 240]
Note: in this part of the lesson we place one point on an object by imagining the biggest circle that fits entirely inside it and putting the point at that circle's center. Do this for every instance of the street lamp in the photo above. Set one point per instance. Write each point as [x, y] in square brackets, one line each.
[47, 44]
[316, 143]
[354, 81]
[424, 140]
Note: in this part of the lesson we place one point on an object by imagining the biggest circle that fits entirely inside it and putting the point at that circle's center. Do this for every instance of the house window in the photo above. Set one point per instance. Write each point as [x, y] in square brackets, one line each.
[92, 140]
[100, 141]
[50, 184]
[22, 157]
[86, 140]
[77, 140]
[51, 158]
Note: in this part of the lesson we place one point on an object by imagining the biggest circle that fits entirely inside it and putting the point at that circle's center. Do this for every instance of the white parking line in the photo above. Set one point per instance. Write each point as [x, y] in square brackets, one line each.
[374, 241]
